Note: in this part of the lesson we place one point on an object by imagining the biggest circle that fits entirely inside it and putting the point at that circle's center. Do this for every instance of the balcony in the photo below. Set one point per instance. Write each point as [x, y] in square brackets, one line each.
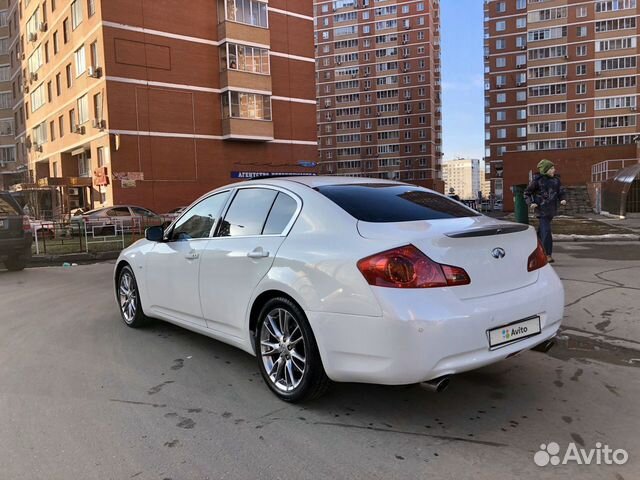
[247, 129]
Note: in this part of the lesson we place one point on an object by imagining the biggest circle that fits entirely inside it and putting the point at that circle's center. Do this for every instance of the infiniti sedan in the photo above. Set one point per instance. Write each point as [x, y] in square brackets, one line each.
[346, 280]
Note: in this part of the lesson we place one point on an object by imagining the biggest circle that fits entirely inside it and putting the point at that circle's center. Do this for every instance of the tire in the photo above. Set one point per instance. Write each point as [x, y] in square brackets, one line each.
[129, 299]
[15, 264]
[287, 352]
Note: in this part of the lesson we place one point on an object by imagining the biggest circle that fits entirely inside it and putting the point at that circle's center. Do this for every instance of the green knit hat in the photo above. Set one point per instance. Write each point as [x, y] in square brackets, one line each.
[545, 165]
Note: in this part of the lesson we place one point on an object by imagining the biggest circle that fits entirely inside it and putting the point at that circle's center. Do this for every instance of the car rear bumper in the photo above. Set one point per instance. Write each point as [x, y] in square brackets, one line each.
[11, 247]
[426, 333]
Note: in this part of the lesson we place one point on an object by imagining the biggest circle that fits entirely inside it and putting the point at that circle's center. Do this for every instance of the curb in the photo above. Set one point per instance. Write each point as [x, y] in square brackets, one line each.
[610, 237]
[80, 258]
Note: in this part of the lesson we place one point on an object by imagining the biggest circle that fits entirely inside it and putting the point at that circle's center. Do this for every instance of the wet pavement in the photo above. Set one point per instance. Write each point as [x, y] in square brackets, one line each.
[82, 396]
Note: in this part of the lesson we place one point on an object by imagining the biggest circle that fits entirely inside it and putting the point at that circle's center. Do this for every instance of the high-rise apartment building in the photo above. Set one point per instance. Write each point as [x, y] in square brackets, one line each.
[12, 166]
[560, 75]
[154, 102]
[378, 89]
[464, 176]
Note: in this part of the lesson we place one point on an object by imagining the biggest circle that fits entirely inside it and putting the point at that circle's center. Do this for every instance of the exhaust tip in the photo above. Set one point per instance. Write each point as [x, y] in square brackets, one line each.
[439, 384]
[545, 346]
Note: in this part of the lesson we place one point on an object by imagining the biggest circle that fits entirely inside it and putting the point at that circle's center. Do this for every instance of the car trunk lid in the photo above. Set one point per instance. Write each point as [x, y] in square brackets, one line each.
[493, 253]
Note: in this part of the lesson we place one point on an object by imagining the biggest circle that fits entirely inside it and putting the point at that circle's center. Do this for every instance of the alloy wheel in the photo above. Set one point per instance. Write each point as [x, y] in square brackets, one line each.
[128, 295]
[283, 350]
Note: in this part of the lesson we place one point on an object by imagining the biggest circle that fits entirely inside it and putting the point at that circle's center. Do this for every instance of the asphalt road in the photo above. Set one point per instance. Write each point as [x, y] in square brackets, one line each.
[84, 397]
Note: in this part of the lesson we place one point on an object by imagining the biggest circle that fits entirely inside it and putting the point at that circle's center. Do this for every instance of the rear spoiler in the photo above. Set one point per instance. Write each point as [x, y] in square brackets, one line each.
[501, 229]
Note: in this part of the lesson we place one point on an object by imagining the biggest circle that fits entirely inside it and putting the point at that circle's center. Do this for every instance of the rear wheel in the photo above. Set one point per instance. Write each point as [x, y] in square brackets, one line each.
[15, 264]
[129, 299]
[287, 352]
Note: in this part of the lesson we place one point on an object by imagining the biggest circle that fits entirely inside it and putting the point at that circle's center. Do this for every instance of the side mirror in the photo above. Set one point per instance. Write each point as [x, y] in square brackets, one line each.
[154, 234]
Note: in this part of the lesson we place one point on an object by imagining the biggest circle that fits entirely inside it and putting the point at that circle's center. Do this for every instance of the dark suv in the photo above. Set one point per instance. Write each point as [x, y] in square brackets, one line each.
[15, 234]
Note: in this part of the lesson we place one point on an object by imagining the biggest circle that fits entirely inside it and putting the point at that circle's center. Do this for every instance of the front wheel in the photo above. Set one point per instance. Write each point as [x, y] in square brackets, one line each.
[129, 299]
[287, 353]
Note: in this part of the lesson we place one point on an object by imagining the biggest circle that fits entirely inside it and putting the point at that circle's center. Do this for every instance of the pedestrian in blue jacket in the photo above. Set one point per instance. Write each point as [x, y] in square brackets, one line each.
[544, 194]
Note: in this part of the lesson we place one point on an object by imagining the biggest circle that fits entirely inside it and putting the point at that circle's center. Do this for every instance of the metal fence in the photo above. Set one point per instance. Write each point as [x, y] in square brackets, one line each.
[81, 236]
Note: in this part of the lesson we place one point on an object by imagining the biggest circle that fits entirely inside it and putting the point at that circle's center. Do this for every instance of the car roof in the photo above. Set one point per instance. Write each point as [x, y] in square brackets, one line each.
[314, 181]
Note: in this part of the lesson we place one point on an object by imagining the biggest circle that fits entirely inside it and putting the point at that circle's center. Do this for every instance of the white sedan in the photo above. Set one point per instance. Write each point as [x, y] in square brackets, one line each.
[345, 279]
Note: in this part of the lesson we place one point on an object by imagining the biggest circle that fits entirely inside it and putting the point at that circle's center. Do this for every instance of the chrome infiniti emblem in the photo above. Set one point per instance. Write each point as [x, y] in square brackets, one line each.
[498, 253]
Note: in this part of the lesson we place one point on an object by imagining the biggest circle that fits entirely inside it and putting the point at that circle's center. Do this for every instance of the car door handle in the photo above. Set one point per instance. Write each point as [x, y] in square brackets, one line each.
[192, 255]
[258, 253]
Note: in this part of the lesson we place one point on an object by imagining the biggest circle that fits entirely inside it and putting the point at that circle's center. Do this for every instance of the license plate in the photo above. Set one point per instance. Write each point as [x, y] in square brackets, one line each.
[513, 332]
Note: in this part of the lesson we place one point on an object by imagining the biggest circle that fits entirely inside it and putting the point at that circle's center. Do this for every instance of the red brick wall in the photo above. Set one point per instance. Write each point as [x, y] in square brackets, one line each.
[573, 165]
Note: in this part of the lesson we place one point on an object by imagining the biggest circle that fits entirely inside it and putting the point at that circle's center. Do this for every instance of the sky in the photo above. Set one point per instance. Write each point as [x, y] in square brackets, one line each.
[461, 35]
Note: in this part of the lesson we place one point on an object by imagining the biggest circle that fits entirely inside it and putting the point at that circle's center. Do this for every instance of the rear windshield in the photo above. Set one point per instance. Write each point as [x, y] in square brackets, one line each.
[382, 203]
[8, 206]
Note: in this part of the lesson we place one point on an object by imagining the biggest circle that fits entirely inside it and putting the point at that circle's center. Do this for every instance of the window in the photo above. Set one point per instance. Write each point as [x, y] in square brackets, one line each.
[52, 132]
[582, 31]
[581, 126]
[5, 73]
[65, 30]
[501, 133]
[49, 92]
[38, 98]
[581, 12]
[521, 4]
[81, 61]
[56, 43]
[501, 116]
[391, 203]
[91, 8]
[522, 132]
[501, 97]
[76, 13]
[521, 95]
[83, 109]
[581, 69]
[501, 7]
[246, 105]
[248, 212]
[521, 22]
[581, 50]
[246, 58]
[581, 108]
[119, 212]
[58, 84]
[501, 26]
[72, 120]
[581, 88]
[61, 125]
[521, 114]
[281, 214]
[200, 219]
[501, 62]
[97, 106]
[251, 12]
[69, 77]
[501, 44]
[102, 161]
[94, 57]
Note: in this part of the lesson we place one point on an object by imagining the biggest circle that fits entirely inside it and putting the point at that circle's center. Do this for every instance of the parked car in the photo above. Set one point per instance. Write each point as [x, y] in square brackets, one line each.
[171, 215]
[15, 234]
[108, 220]
[343, 279]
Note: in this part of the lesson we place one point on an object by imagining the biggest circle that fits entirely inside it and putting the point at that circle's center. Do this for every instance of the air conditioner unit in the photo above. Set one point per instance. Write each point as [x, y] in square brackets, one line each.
[37, 147]
[563, 77]
[598, 72]
[74, 192]
[404, 42]
[23, 55]
[79, 129]
[26, 89]
[519, 65]
[94, 72]
[633, 109]
[43, 27]
[522, 47]
[33, 37]
[566, 56]
[33, 77]
[100, 124]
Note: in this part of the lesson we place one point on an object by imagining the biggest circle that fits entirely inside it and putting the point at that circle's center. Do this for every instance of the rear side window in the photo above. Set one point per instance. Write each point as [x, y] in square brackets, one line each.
[386, 203]
[119, 212]
[248, 212]
[280, 215]
[8, 206]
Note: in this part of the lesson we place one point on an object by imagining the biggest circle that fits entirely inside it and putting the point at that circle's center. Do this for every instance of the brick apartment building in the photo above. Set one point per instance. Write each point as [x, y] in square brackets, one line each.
[378, 89]
[139, 101]
[561, 82]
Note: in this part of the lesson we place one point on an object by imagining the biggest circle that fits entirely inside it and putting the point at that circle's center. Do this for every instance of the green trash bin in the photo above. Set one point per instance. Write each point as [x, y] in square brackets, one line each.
[521, 209]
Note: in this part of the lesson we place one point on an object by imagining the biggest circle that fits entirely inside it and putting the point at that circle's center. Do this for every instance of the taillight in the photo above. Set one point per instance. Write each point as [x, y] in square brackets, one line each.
[408, 267]
[537, 259]
[26, 224]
